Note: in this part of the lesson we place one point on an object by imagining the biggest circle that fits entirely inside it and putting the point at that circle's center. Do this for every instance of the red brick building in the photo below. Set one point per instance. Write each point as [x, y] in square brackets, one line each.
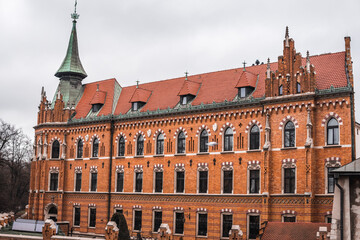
[200, 152]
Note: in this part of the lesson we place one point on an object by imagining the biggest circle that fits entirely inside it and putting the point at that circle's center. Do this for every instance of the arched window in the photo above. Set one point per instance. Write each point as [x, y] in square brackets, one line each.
[80, 146]
[332, 132]
[140, 146]
[55, 149]
[254, 137]
[121, 150]
[281, 90]
[289, 134]
[203, 141]
[228, 140]
[181, 143]
[298, 87]
[95, 150]
[160, 144]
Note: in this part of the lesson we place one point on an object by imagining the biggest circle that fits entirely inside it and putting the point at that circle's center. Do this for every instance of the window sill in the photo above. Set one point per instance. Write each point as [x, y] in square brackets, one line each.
[178, 234]
[159, 155]
[199, 236]
[92, 227]
[226, 152]
[53, 159]
[288, 148]
[139, 156]
[94, 158]
[253, 150]
[79, 159]
[180, 154]
[203, 153]
[332, 146]
[119, 157]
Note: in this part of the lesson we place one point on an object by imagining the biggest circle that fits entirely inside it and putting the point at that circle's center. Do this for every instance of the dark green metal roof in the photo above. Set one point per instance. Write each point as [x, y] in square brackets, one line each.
[352, 168]
[72, 64]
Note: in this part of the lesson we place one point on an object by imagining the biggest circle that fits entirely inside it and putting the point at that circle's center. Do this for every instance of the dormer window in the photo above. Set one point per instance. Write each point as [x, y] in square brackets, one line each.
[245, 91]
[186, 99]
[96, 107]
[136, 105]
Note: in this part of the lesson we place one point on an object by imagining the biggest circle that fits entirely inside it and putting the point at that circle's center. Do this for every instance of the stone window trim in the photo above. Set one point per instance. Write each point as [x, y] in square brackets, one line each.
[222, 131]
[136, 138]
[118, 169]
[54, 170]
[248, 129]
[138, 169]
[76, 205]
[227, 166]
[177, 210]
[251, 212]
[283, 133]
[155, 139]
[158, 168]
[76, 141]
[54, 139]
[136, 208]
[253, 165]
[92, 140]
[155, 209]
[91, 206]
[202, 167]
[288, 163]
[223, 212]
[118, 207]
[288, 213]
[198, 136]
[330, 162]
[93, 169]
[76, 171]
[324, 124]
[286, 120]
[201, 211]
[117, 142]
[179, 167]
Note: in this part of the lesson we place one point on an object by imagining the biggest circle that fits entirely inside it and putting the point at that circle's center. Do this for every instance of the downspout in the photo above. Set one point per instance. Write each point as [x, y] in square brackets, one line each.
[336, 176]
[352, 125]
[110, 167]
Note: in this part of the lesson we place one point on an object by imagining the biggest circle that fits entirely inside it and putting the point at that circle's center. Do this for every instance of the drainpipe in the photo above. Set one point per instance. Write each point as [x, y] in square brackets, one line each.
[352, 126]
[336, 176]
[110, 167]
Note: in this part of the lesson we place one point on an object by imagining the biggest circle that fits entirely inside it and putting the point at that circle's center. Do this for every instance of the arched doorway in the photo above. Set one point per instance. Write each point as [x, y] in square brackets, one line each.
[51, 212]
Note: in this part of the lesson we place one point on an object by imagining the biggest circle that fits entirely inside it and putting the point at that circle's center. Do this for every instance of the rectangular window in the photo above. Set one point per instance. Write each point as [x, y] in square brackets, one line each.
[254, 181]
[180, 182]
[330, 180]
[254, 226]
[78, 182]
[158, 182]
[289, 180]
[54, 181]
[135, 106]
[227, 181]
[203, 181]
[179, 222]
[76, 216]
[137, 220]
[120, 182]
[138, 181]
[183, 100]
[93, 186]
[226, 224]
[289, 219]
[92, 217]
[202, 224]
[157, 220]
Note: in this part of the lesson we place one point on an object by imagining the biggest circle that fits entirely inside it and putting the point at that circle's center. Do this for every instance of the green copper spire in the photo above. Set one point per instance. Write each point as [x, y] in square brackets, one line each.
[71, 66]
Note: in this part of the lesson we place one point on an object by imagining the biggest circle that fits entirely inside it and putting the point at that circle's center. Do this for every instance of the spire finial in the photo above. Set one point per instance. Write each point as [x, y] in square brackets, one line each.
[287, 37]
[268, 68]
[137, 83]
[186, 75]
[308, 61]
[244, 63]
[268, 63]
[74, 15]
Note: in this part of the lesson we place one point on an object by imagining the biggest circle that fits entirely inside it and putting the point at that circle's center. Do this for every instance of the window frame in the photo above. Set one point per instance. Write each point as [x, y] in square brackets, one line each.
[223, 180]
[134, 218]
[78, 149]
[288, 216]
[251, 134]
[89, 217]
[198, 181]
[74, 216]
[222, 224]
[333, 128]
[160, 142]
[298, 87]
[76, 181]
[248, 223]
[327, 167]
[50, 181]
[178, 142]
[91, 182]
[230, 138]
[198, 223]
[154, 219]
[203, 141]
[175, 222]
[249, 180]
[283, 178]
[135, 182]
[52, 149]
[284, 135]
[121, 142]
[176, 183]
[137, 145]
[117, 181]
[155, 182]
[93, 149]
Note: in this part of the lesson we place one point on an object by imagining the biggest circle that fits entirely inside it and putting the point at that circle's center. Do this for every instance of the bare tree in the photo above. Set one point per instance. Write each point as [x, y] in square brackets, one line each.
[15, 156]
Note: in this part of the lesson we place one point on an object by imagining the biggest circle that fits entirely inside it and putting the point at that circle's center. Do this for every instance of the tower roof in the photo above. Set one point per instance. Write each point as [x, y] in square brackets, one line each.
[72, 64]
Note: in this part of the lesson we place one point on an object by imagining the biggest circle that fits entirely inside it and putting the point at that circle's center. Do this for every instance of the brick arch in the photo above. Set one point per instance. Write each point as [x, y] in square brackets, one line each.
[54, 169]
[121, 134]
[119, 168]
[253, 211]
[288, 163]
[201, 128]
[93, 137]
[333, 162]
[253, 165]
[77, 140]
[180, 129]
[226, 126]
[287, 119]
[93, 169]
[157, 132]
[226, 210]
[292, 212]
[78, 169]
[55, 138]
[138, 134]
[329, 116]
[178, 209]
[252, 123]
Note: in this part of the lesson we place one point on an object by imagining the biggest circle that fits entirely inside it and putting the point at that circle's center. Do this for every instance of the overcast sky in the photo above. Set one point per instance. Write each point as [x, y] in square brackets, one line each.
[150, 40]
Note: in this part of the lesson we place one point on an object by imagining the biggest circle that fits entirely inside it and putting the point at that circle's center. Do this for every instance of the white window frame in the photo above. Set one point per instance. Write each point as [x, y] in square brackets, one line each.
[249, 134]
[177, 139]
[75, 178]
[326, 131]
[327, 218]
[51, 154]
[140, 170]
[49, 182]
[154, 181]
[89, 217]
[92, 146]
[250, 168]
[133, 225]
[118, 146]
[222, 221]
[283, 167]
[333, 164]
[77, 146]
[116, 180]
[118, 208]
[288, 215]
[136, 145]
[198, 179]
[223, 140]
[74, 216]
[182, 169]
[174, 222]
[199, 141]
[222, 179]
[156, 143]
[248, 223]
[153, 219]
[90, 178]
[283, 134]
[197, 224]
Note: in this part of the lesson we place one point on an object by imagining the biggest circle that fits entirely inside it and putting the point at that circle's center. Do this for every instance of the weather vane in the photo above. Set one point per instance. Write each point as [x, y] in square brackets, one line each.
[186, 75]
[75, 15]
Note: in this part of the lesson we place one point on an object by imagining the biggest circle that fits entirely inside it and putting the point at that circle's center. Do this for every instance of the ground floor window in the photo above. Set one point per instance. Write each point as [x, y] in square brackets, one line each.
[254, 226]
[137, 220]
[226, 222]
[76, 216]
[157, 220]
[202, 224]
[289, 218]
[179, 222]
[92, 217]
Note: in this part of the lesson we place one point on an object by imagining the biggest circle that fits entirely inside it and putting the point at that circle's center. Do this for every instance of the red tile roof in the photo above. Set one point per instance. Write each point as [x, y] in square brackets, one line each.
[99, 98]
[210, 87]
[247, 79]
[292, 231]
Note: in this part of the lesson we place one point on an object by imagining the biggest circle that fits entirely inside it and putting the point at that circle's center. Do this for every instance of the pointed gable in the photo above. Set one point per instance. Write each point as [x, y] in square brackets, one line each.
[247, 79]
[140, 95]
[99, 97]
[189, 87]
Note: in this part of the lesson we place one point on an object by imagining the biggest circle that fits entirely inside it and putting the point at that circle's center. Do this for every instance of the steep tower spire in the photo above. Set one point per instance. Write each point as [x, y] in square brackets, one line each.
[287, 37]
[71, 66]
